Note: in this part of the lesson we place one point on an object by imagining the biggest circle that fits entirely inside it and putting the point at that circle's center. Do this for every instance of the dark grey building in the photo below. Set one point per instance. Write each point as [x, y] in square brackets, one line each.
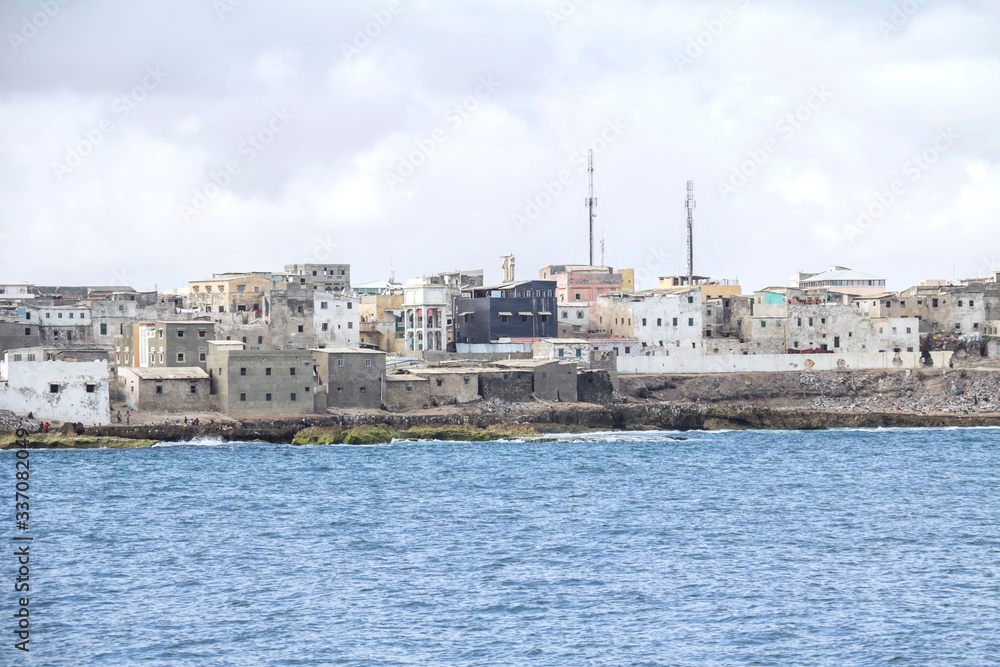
[261, 382]
[514, 310]
[333, 278]
[351, 378]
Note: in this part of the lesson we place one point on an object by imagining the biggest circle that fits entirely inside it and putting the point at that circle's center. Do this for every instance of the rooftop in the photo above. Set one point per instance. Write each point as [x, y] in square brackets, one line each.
[183, 373]
[839, 273]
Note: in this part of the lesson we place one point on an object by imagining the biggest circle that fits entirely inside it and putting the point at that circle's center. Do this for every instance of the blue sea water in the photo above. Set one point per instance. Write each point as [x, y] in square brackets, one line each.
[764, 548]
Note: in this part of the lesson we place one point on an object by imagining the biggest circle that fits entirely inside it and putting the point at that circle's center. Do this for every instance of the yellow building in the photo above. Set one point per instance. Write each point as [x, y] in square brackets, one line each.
[710, 289]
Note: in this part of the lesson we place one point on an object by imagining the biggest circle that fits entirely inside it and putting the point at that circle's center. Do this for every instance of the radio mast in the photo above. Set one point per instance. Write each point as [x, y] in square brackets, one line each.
[591, 202]
[690, 203]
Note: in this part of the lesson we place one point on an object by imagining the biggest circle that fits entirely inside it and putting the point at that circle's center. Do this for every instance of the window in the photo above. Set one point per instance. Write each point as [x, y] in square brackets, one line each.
[368, 362]
[659, 321]
[202, 333]
[409, 388]
[180, 356]
[27, 331]
[325, 327]
[267, 371]
[243, 397]
[180, 333]
[440, 382]
[267, 397]
[907, 329]
[971, 303]
[240, 289]
[201, 357]
[560, 353]
[300, 329]
[934, 303]
[291, 371]
[524, 318]
[763, 323]
[159, 389]
[340, 362]
[690, 299]
[59, 316]
[48, 315]
[465, 380]
[579, 314]
[959, 303]
[53, 389]
[243, 371]
[260, 340]
[363, 390]
[578, 296]
[350, 305]
[350, 325]
[579, 353]
[690, 321]
[644, 321]
[322, 305]
[628, 350]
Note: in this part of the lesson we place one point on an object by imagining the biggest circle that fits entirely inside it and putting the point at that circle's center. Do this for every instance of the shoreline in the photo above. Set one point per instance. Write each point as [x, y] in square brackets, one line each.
[377, 428]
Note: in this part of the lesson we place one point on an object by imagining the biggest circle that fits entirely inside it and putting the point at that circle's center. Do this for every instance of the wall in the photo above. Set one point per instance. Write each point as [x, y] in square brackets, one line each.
[228, 383]
[336, 320]
[555, 381]
[508, 385]
[27, 390]
[140, 394]
[594, 387]
[406, 392]
[743, 363]
[12, 336]
[357, 383]
[448, 387]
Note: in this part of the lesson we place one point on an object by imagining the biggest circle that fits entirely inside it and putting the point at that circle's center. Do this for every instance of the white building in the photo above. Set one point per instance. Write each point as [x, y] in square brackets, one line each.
[16, 291]
[424, 315]
[69, 391]
[662, 321]
[337, 320]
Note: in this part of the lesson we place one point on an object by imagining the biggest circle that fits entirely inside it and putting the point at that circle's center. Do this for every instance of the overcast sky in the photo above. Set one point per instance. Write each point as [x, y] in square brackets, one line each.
[151, 143]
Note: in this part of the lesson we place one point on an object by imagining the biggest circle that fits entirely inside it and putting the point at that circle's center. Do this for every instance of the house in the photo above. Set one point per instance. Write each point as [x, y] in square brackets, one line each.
[840, 279]
[550, 380]
[351, 378]
[710, 288]
[577, 289]
[229, 292]
[336, 320]
[262, 382]
[17, 291]
[405, 392]
[329, 278]
[167, 389]
[517, 310]
[382, 322]
[164, 344]
[70, 391]
[450, 386]
[664, 321]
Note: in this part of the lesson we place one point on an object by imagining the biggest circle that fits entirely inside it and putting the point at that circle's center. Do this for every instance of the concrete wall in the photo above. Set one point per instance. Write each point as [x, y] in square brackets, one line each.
[555, 381]
[744, 363]
[492, 348]
[351, 379]
[336, 320]
[451, 387]
[406, 392]
[246, 392]
[594, 387]
[14, 335]
[506, 385]
[27, 388]
[176, 394]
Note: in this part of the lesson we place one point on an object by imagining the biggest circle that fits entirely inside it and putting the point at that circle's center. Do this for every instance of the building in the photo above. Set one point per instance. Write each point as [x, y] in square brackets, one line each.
[262, 382]
[424, 315]
[229, 293]
[336, 320]
[351, 378]
[840, 279]
[167, 389]
[550, 380]
[663, 321]
[69, 391]
[17, 291]
[710, 289]
[164, 344]
[519, 310]
[451, 386]
[382, 322]
[405, 392]
[329, 278]
[577, 289]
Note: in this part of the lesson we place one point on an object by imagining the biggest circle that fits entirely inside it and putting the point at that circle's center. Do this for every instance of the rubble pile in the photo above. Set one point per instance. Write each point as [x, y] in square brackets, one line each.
[11, 422]
[495, 405]
[958, 393]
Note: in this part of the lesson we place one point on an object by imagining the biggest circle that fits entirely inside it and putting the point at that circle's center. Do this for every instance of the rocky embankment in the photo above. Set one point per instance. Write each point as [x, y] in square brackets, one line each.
[472, 425]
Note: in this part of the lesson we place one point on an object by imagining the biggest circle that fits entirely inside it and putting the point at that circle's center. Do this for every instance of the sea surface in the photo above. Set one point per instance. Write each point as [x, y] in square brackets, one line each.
[862, 547]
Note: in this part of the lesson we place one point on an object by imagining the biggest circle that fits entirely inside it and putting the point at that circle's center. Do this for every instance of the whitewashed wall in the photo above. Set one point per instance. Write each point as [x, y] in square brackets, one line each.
[744, 363]
[26, 389]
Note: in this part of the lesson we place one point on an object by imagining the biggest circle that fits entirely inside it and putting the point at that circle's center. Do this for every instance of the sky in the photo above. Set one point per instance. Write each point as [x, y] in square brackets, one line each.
[149, 144]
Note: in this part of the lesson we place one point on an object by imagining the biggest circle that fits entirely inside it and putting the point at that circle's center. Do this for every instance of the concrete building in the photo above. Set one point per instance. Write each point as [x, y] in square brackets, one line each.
[351, 378]
[550, 380]
[164, 344]
[382, 317]
[167, 389]
[262, 382]
[229, 292]
[519, 310]
[405, 392]
[839, 279]
[18, 291]
[578, 286]
[16, 334]
[329, 278]
[710, 288]
[70, 391]
[451, 386]
[665, 321]
[336, 320]
[424, 317]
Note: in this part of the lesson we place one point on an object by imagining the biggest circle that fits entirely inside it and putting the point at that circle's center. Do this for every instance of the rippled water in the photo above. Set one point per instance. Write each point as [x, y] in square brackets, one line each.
[769, 548]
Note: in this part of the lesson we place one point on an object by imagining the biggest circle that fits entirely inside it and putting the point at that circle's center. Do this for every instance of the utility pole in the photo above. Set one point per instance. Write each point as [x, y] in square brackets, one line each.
[591, 202]
[690, 203]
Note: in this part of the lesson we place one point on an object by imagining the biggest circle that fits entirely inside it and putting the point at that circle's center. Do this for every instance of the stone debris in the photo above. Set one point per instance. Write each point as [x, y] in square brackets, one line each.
[11, 422]
[495, 405]
[958, 393]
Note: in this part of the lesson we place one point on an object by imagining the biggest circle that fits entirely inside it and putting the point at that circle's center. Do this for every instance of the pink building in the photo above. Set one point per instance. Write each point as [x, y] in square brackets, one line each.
[579, 285]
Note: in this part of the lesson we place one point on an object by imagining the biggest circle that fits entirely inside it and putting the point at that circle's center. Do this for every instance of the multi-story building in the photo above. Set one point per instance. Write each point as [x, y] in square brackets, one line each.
[164, 344]
[229, 293]
[271, 382]
[664, 321]
[336, 320]
[710, 288]
[577, 289]
[424, 315]
[382, 322]
[518, 310]
[352, 378]
[330, 278]
[841, 280]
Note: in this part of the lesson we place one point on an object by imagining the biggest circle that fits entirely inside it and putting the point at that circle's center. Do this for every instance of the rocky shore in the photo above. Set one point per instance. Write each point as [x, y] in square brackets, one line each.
[472, 425]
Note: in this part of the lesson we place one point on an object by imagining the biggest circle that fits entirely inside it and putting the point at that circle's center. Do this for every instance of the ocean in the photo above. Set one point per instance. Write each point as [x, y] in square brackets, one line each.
[841, 547]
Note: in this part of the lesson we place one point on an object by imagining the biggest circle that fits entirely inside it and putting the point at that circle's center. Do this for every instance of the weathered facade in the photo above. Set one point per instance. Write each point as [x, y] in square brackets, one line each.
[261, 382]
[71, 391]
[167, 389]
[351, 378]
[329, 278]
[522, 310]
[405, 392]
